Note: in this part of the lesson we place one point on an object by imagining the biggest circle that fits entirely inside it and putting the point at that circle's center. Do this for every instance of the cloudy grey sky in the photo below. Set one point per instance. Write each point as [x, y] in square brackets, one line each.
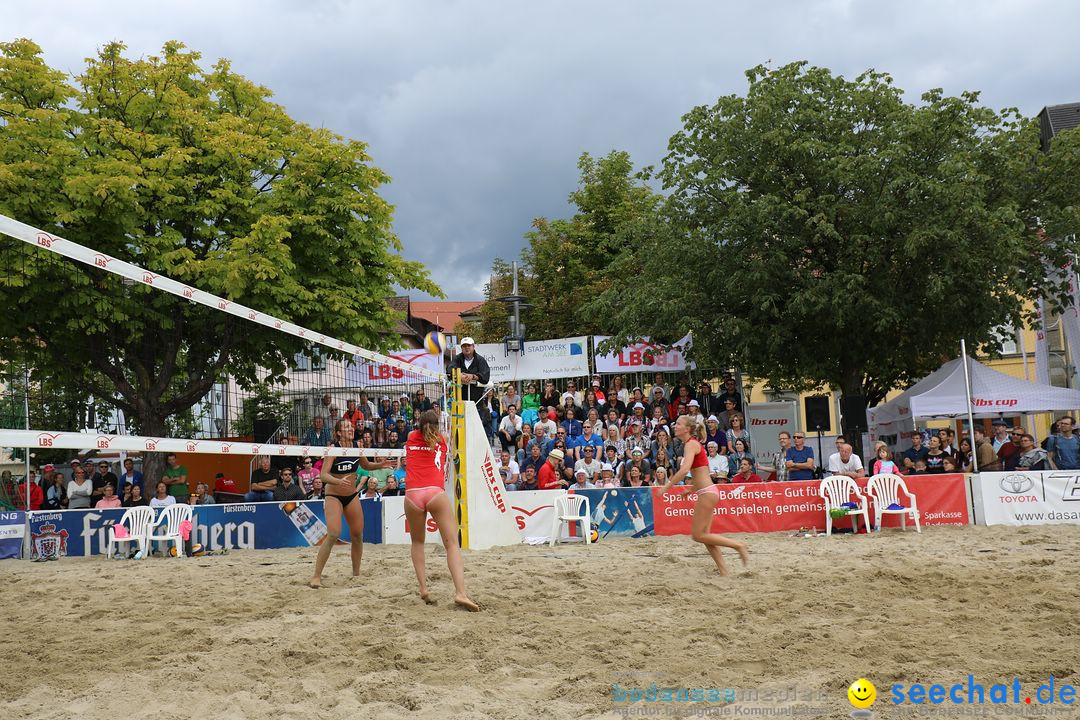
[479, 110]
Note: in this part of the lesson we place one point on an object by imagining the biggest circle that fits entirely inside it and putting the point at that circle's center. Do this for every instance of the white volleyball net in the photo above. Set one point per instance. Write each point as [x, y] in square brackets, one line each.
[240, 383]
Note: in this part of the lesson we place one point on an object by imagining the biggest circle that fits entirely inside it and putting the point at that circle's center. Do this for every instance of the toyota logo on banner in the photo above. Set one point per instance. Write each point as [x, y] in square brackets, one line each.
[1016, 483]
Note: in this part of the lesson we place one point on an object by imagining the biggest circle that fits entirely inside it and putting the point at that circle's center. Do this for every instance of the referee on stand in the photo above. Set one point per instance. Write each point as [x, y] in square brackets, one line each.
[475, 374]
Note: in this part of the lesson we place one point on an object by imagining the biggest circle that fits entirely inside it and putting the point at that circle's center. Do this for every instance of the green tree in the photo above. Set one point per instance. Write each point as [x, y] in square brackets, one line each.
[822, 230]
[566, 263]
[195, 174]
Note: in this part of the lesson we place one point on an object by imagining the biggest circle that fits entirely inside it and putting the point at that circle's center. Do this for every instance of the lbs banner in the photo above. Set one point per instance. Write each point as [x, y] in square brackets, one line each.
[1027, 498]
[251, 526]
[643, 355]
[362, 373]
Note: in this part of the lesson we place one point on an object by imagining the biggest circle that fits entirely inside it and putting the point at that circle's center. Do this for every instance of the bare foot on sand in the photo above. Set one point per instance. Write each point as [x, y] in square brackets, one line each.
[743, 554]
[464, 601]
[315, 583]
[426, 597]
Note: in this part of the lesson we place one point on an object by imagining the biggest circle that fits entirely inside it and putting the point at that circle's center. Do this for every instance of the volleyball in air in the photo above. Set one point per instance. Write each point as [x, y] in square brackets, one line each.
[435, 342]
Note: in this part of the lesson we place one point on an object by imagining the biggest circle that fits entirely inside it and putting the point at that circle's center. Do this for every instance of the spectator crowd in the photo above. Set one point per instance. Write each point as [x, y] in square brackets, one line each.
[544, 438]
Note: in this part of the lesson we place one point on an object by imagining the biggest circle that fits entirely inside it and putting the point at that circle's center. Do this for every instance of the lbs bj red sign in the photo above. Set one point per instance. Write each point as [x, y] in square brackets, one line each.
[644, 355]
[362, 372]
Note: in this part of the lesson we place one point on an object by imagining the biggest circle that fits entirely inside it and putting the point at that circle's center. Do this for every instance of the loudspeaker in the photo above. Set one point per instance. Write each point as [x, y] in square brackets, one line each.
[817, 413]
[264, 429]
[853, 410]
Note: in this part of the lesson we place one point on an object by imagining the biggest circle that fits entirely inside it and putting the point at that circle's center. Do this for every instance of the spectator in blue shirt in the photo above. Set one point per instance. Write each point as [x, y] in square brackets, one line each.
[1064, 448]
[318, 435]
[573, 427]
[800, 459]
[914, 453]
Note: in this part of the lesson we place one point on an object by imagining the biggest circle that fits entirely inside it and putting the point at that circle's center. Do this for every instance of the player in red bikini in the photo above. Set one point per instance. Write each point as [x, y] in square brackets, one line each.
[425, 492]
[695, 463]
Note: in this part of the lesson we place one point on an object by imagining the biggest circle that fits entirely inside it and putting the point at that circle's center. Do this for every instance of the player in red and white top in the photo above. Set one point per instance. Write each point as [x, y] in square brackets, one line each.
[695, 465]
[426, 455]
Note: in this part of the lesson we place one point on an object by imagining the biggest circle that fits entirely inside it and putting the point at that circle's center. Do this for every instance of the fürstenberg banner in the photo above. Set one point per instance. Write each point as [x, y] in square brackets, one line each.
[643, 355]
[539, 360]
[1027, 498]
[765, 421]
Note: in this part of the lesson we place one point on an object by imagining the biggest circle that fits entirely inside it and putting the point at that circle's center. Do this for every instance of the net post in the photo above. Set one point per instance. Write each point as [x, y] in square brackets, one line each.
[461, 497]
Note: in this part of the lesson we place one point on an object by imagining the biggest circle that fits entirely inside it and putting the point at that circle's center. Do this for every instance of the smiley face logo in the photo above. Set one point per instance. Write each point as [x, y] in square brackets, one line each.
[862, 693]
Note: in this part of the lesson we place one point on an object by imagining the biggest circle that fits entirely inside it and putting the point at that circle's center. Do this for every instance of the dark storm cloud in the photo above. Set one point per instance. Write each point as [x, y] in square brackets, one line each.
[479, 110]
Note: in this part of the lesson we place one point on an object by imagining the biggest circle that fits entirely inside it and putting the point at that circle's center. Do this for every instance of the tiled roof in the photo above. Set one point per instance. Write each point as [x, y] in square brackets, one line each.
[444, 315]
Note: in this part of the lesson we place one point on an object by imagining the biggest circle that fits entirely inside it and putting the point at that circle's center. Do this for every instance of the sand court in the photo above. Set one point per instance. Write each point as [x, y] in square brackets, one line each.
[240, 635]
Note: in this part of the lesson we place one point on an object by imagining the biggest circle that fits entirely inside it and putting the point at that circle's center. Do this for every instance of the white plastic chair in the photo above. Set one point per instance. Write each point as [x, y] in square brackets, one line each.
[137, 520]
[568, 510]
[171, 516]
[837, 492]
[885, 489]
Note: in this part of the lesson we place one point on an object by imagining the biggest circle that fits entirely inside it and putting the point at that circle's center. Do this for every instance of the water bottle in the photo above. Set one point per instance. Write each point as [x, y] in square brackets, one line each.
[308, 523]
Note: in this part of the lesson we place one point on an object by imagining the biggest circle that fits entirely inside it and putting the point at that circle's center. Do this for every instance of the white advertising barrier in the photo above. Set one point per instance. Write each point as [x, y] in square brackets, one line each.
[1027, 498]
[491, 519]
[107, 263]
[364, 373]
[539, 360]
[533, 511]
[643, 355]
[766, 421]
[396, 530]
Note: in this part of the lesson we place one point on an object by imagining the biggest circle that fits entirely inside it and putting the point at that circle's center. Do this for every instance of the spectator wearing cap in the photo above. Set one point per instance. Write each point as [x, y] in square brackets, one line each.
[694, 410]
[581, 480]
[475, 374]
[731, 391]
[658, 400]
[659, 386]
[588, 463]
[607, 476]
[637, 460]
[612, 457]
[637, 440]
[108, 498]
[713, 432]
[637, 412]
[601, 396]
[550, 477]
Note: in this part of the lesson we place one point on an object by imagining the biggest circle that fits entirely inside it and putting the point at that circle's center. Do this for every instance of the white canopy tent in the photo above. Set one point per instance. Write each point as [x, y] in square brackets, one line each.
[942, 394]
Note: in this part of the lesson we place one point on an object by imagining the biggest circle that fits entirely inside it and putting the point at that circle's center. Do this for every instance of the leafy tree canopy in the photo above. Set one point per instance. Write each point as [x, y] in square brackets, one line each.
[822, 230]
[195, 174]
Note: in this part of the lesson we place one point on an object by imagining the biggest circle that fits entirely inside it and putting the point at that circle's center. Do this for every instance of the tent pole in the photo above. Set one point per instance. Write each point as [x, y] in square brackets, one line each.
[971, 416]
[1028, 420]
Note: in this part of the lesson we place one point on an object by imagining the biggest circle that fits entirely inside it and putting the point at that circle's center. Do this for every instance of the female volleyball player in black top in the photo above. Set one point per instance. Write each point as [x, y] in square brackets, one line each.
[339, 480]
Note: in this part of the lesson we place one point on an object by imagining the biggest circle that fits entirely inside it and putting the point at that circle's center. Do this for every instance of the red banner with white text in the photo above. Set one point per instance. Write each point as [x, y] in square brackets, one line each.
[773, 507]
